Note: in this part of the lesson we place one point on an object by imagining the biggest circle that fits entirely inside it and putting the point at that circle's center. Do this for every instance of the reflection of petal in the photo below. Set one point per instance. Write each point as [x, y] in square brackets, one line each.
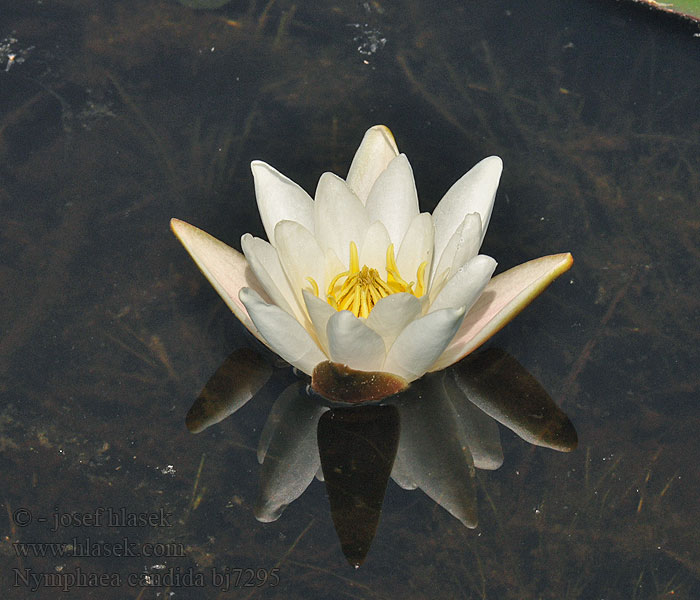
[291, 458]
[478, 431]
[401, 473]
[431, 454]
[503, 389]
[357, 448]
[235, 382]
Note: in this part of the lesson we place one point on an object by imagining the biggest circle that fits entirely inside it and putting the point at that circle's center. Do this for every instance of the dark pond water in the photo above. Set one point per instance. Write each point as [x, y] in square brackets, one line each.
[117, 116]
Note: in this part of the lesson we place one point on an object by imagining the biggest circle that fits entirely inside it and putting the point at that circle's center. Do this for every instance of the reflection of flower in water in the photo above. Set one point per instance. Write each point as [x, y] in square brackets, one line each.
[431, 437]
[358, 278]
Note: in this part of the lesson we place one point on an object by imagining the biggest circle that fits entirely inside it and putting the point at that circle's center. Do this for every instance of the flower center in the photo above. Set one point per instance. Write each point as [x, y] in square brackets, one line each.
[358, 290]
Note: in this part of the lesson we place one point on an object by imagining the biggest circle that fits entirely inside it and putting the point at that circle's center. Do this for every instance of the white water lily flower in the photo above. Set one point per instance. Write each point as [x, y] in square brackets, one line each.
[359, 278]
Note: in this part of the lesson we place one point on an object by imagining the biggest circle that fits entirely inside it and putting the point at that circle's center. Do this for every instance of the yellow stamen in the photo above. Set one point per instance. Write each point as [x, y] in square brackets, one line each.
[363, 288]
[314, 285]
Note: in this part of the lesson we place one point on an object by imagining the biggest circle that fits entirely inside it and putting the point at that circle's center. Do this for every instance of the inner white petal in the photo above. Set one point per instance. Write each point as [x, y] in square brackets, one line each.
[282, 332]
[376, 151]
[340, 217]
[390, 316]
[466, 285]
[300, 256]
[279, 199]
[373, 248]
[421, 343]
[265, 263]
[393, 199]
[416, 247]
[462, 246]
[475, 191]
[354, 344]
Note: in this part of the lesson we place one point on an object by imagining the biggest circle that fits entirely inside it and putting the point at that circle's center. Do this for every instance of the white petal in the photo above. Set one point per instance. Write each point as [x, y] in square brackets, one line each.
[416, 248]
[420, 344]
[390, 316]
[354, 344]
[283, 333]
[466, 284]
[376, 151]
[473, 192]
[301, 257]
[462, 246]
[319, 313]
[393, 199]
[374, 247]
[225, 268]
[340, 217]
[502, 299]
[280, 199]
[265, 262]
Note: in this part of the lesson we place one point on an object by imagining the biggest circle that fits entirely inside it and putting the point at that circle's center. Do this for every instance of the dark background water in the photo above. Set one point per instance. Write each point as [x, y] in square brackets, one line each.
[115, 117]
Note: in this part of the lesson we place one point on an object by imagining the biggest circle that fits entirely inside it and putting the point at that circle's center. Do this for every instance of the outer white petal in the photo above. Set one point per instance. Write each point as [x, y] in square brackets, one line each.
[374, 247]
[420, 344]
[473, 192]
[390, 316]
[393, 199]
[225, 268]
[340, 217]
[265, 262]
[354, 344]
[466, 285]
[416, 247]
[280, 199]
[502, 299]
[319, 313]
[376, 151]
[462, 246]
[300, 255]
[282, 332]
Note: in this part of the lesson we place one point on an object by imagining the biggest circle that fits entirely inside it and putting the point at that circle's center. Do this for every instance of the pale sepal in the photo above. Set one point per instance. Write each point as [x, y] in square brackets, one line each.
[226, 269]
[502, 299]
